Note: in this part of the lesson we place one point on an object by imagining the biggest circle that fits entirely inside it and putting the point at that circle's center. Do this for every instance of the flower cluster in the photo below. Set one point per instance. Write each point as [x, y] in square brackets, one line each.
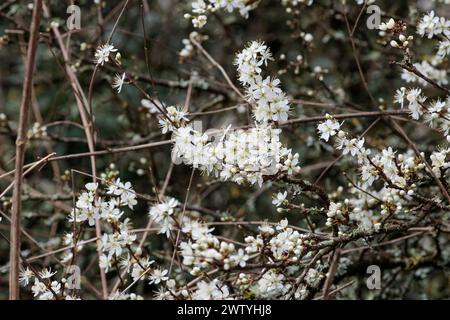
[103, 54]
[161, 213]
[202, 250]
[271, 102]
[397, 172]
[37, 131]
[241, 155]
[213, 290]
[425, 68]
[117, 244]
[200, 9]
[272, 285]
[44, 287]
[432, 25]
[173, 119]
[287, 244]
[436, 113]
[438, 161]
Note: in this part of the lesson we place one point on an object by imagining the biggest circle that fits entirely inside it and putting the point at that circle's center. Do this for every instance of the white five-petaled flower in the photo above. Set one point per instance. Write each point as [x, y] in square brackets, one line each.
[118, 82]
[25, 276]
[279, 199]
[328, 129]
[158, 276]
[214, 290]
[46, 273]
[103, 53]
[38, 287]
[400, 96]
[240, 258]
[91, 186]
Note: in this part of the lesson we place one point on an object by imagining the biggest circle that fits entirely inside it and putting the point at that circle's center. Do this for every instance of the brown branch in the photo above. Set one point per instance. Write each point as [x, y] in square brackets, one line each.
[331, 273]
[352, 115]
[14, 256]
[411, 68]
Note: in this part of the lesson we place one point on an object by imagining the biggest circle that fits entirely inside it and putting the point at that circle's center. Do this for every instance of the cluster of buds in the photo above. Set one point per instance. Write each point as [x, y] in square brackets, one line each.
[391, 26]
[37, 131]
[386, 26]
[395, 27]
[403, 42]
